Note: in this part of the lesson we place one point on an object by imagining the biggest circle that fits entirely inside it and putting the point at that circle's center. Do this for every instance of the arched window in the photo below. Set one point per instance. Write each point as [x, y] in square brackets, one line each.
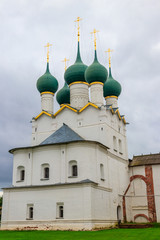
[73, 168]
[45, 171]
[20, 173]
[30, 211]
[102, 171]
[60, 210]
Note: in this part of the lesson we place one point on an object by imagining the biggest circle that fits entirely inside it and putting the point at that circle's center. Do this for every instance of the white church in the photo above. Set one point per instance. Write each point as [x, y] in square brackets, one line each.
[76, 173]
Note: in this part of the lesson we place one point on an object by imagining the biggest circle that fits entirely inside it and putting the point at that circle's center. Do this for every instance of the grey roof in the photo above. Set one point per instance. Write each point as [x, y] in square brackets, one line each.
[63, 135]
[150, 159]
[52, 185]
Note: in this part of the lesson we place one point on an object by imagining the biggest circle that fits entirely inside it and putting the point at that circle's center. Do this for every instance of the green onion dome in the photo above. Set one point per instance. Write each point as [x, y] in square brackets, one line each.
[75, 73]
[47, 83]
[96, 72]
[111, 86]
[63, 95]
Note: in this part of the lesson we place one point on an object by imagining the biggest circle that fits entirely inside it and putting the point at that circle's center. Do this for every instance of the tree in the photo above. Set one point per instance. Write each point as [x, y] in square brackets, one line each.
[1, 199]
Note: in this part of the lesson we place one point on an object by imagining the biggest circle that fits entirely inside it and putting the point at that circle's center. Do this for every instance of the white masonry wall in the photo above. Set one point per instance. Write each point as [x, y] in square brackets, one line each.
[91, 124]
[75, 199]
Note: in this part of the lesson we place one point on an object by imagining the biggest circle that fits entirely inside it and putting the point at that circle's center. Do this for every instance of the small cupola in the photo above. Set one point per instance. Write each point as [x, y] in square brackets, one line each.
[63, 95]
[96, 72]
[76, 72]
[47, 82]
[111, 88]
[47, 85]
[96, 75]
[75, 78]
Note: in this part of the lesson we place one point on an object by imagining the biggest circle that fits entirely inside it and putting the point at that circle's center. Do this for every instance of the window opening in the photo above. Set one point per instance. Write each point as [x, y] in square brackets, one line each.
[74, 170]
[22, 175]
[46, 172]
[102, 171]
[31, 212]
[61, 211]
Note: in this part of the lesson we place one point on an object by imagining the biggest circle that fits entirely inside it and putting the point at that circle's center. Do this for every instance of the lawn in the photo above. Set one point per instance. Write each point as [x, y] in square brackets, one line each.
[113, 234]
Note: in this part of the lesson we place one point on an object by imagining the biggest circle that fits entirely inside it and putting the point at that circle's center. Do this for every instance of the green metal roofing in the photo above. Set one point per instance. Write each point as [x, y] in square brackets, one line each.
[75, 73]
[63, 95]
[96, 72]
[47, 83]
[111, 86]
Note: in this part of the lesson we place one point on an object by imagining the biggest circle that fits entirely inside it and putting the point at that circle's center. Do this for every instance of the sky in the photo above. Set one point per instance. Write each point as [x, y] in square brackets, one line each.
[130, 28]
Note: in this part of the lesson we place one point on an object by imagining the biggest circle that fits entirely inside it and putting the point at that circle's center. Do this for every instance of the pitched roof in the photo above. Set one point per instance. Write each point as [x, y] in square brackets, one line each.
[141, 160]
[63, 135]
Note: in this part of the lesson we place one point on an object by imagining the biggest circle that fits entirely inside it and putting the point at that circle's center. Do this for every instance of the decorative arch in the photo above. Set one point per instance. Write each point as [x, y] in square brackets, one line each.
[138, 176]
[142, 215]
[148, 179]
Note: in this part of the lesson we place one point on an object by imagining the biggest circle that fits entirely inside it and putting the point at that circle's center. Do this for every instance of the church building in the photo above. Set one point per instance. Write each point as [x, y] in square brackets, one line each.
[76, 173]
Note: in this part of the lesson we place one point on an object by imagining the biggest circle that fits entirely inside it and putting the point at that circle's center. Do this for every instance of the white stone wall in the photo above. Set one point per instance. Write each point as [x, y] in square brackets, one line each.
[91, 124]
[88, 155]
[96, 91]
[44, 202]
[80, 212]
[79, 95]
[47, 102]
[136, 197]
[113, 101]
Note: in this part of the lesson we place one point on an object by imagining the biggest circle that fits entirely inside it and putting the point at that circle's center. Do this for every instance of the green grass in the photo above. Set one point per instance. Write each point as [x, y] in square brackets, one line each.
[113, 234]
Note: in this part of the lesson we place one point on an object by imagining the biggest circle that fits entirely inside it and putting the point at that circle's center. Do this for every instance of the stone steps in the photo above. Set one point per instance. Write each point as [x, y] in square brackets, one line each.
[133, 226]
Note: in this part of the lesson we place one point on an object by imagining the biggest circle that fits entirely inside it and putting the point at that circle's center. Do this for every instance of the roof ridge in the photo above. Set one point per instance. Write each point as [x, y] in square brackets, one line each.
[62, 135]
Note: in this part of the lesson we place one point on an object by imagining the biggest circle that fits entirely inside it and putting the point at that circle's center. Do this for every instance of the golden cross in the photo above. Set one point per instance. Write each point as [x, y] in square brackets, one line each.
[94, 32]
[47, 46]
[65, 61]
[77, 20]
[109, 55]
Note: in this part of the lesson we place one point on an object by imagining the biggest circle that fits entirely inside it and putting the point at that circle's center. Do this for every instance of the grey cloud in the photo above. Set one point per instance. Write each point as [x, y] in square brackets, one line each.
[131, 28]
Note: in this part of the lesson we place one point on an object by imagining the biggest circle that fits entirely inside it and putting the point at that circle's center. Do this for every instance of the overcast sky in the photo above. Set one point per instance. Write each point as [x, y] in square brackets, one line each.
[130, 28]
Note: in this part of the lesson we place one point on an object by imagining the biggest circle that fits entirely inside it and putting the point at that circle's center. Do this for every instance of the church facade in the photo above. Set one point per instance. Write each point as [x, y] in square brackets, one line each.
[76, 173]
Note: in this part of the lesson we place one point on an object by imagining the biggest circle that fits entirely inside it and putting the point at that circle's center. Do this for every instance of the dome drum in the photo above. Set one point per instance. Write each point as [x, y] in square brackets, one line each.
[96, 92]
[112, 100]
[79, 95]
[47, 102]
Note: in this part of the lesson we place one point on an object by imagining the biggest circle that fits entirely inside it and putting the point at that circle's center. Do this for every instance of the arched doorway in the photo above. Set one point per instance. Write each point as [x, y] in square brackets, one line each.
[119, 214]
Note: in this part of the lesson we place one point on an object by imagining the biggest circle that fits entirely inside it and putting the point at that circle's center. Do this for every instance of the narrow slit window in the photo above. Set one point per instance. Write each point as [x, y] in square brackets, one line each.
[46, 172]
[114, 143]
[102, 171]
[74, 170]
[61, 211]
[22, 175]
[31, 213]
